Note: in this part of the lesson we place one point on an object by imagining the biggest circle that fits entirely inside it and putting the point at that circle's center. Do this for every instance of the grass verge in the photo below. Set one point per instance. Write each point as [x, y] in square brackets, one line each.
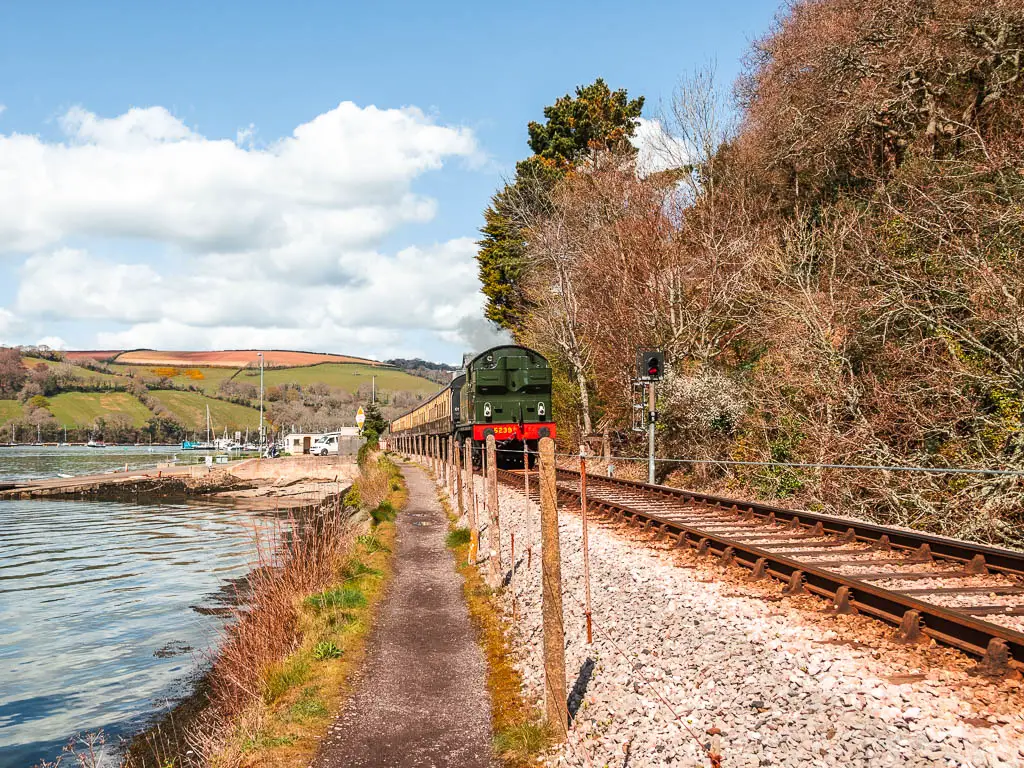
[520, 735]
[285, 667]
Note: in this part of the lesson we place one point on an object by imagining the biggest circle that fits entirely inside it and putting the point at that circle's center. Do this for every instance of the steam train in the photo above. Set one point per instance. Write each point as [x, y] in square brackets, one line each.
[504, 391]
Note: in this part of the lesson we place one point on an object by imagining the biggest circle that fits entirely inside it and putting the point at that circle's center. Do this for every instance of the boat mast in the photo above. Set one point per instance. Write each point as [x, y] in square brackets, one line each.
[207, 423]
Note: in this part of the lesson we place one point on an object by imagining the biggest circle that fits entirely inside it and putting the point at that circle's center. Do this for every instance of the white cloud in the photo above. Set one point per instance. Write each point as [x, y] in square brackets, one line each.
[53, 342]
[68, 284]
[657, 149]
[146, 174]
[222, 304]
[279, 243]
[10, 327]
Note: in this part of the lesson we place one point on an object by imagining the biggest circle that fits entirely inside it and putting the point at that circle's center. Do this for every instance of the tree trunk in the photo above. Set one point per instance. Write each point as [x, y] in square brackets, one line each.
[584, 401]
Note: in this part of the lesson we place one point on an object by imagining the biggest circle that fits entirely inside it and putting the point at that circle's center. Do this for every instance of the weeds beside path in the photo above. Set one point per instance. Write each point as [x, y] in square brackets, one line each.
[421, 697]
[288, 660]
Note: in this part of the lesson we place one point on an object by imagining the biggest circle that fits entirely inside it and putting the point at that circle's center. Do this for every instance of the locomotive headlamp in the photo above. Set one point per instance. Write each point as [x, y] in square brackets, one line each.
[540, 409]
[487, 410]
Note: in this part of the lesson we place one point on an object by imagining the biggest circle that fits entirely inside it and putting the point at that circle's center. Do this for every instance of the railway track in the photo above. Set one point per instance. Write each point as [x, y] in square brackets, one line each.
[969, 596]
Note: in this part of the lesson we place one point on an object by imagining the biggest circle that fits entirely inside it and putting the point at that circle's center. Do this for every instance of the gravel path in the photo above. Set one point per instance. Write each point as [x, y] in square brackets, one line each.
[421, 699]
[679, 643]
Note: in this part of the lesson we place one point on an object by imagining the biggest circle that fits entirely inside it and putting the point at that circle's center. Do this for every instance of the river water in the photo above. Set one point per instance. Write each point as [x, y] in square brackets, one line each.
[29, 462]
[107, 609]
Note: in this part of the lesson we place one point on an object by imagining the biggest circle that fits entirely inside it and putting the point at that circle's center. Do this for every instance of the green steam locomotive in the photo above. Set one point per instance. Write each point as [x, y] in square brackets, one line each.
[504, 391]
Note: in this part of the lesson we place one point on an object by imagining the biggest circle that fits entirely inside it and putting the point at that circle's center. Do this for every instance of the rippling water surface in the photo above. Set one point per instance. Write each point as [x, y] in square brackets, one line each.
[30, 462]
[103, 612]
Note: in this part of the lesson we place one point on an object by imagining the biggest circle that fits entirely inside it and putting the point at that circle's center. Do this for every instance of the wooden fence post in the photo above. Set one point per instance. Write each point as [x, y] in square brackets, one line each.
[445, 455]
[551, 606]
[450, 467]
[474, 525]
[526, 490]
[586, 544]
[457, 455]
[494, 570]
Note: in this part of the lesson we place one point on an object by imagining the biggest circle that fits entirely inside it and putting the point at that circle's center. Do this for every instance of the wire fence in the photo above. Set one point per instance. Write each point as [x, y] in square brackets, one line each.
[791, 464]
[709, 749]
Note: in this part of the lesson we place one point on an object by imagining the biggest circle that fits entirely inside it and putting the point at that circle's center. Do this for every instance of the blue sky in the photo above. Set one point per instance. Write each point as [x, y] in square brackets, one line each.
[146, 228]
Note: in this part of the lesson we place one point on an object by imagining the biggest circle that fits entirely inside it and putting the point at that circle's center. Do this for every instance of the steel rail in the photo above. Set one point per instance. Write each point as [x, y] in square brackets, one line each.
[946, 625]
[996, 558]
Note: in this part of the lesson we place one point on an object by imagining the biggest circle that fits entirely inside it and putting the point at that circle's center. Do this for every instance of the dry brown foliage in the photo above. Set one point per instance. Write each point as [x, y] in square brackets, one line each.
[295, 560]
[838, 281]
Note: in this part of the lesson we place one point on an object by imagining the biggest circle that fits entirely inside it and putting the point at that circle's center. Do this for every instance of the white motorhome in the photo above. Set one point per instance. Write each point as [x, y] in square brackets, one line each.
[325, 444]
[345, 439]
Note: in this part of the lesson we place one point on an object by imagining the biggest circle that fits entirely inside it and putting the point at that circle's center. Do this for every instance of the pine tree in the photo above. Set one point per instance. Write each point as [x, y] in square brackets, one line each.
[595, 118]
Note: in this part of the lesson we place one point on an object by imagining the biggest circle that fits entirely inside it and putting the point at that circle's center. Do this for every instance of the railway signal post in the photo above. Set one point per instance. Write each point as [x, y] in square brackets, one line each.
[650, 365]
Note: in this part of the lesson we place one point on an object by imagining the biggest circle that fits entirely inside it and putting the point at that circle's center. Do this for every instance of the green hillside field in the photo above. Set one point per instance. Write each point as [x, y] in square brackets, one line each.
[211, 377]
[9, 409]
[347, 376]
[83, 373]
[83, 408]
[190, 408]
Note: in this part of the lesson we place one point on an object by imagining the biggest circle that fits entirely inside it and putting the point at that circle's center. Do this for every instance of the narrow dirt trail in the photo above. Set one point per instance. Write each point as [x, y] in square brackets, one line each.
[421, 699]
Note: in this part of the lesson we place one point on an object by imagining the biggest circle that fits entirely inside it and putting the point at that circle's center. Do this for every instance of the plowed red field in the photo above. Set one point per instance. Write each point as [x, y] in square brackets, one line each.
[235, 358]
[91, 354]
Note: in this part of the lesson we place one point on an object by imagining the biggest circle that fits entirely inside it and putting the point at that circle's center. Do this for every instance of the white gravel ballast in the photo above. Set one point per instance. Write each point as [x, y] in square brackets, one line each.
[681, 643]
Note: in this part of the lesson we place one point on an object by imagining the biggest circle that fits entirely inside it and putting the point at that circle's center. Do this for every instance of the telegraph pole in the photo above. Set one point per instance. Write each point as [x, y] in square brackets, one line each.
[262, 441]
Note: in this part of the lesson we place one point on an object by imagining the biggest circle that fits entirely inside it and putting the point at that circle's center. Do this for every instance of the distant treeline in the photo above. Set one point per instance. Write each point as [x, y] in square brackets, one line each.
[437, 372]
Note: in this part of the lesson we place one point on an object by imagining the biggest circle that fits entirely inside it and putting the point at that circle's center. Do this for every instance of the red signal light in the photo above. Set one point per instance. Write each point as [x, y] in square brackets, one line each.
[650, 364]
